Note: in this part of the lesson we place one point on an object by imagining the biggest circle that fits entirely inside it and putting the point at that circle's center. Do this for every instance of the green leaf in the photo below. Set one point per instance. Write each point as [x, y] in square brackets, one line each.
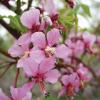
[1, 17]
[16, 24]
[86, 9]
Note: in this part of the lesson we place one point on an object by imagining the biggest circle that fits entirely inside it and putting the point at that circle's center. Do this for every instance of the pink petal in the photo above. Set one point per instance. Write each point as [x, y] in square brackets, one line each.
[37, 55]
[30, 18]
[38, 39]
[20, 63]
[89, 38]
[15, 50]
[24, 39]
[65, 79]
[30, 67]
[53, 37]
[49, 7]
[14, 93]
[21, 92]
[62, 92]
[47, 64]
[3, 96]
[62, 51]
[52, 76]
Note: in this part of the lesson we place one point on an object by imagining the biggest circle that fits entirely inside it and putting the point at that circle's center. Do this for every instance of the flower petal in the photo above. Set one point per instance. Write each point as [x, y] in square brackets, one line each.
[30, 18]
[21, 92]
[37, 55]
[53, 37]
[30, 67]
[15, 50]
[38, 39]
[47, 64]
[62, 51]
[24, 39]
[52, 76]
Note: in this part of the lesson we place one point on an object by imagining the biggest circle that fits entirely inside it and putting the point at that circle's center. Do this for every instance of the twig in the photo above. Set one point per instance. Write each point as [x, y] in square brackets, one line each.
[4, 53]
[12, 31]
[5, 3]
[16, 77]
[87, 66]
[29, 4]
[18, 8]
[6, 70]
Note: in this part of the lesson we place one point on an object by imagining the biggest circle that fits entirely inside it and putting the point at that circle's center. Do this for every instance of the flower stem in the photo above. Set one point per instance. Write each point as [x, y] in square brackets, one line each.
[16, 77]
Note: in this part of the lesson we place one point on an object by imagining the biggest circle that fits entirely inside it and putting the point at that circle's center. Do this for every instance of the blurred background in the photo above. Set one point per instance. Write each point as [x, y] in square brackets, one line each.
[89, 23]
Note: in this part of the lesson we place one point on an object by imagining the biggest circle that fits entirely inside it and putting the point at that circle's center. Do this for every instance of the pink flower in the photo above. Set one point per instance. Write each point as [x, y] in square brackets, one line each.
[89, 39]
[49, 6]
[30, 19]
[71, 84]
[42, 72]
[77, 47]
[46, 42]
[63, 52]
[22, 93]
[83, 72]
[21, 48]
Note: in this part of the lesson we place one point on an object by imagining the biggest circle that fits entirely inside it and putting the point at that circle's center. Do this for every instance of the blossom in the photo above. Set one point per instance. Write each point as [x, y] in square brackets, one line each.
[63, 52]
[30, 19]
[43, 72]
[83, 72]
[21, 48]
[46, 42]
[49, 6]
[77, 47]
[71, 84]
[89, 40]
[21, 93]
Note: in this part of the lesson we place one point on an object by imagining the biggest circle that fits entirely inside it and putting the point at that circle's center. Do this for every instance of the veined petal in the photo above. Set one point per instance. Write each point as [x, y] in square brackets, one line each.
[62, 51]
[15, 50]
[53, 37]
[30, 67]
[37, 55]
[47, 64]
[38, 39]
[52, 76]
[30, 18]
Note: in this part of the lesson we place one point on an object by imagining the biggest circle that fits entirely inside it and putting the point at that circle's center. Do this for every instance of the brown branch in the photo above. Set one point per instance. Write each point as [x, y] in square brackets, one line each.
[29, 5]
[16, 77]
[6, 70]
[12, 31]
[4, 53]
[6, 4]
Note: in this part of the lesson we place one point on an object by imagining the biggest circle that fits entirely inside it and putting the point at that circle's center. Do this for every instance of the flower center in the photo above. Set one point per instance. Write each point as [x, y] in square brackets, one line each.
[26, 54]
[50, 50]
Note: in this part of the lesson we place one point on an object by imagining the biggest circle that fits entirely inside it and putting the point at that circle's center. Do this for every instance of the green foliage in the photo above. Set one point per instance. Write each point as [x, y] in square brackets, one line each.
[16, 24]
[86, 9]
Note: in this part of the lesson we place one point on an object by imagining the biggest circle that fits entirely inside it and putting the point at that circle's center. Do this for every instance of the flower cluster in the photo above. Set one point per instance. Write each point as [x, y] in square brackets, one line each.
[46, 58]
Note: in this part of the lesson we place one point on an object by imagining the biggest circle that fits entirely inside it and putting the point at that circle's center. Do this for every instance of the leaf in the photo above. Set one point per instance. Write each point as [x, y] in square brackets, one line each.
[16, 24]
[86, 9]
[1, 17]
